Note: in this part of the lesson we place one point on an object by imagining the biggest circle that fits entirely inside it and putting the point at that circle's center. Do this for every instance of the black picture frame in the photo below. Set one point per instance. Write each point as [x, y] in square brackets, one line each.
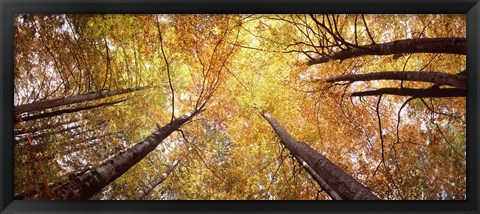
[8, 8]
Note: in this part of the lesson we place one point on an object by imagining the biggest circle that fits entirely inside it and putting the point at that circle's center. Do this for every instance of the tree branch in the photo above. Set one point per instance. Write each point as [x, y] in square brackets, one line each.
[160, 38]
[429, 92]
[418, 45]
[440, 78]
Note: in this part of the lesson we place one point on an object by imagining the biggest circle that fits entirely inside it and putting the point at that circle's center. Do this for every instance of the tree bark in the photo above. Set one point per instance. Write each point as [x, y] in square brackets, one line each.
[44, 128]
[64, 111]
[414, 92]
[87, 184]
[34, 136]
[439, 78]
[418, 45]
[325, 187]
[141, 194]
[43, 105]
[342, 183]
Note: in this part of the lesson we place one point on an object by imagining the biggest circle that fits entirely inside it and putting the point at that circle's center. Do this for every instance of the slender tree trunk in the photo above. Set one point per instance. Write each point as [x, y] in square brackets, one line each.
[418, 45]
[145, 191]
[334, 195]
[44, 127]
[34, 136]
[414, 92]
[43, 105]
[89, 183]
[86, 143]
[342, 183]
[80, 146]
[64, 111]
[439, 78]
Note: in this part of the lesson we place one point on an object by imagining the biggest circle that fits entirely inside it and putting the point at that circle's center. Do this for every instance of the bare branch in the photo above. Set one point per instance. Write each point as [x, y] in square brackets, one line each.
[168, 67]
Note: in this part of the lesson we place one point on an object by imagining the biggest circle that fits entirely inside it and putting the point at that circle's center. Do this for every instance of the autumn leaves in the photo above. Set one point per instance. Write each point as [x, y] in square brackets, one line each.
[321, 76]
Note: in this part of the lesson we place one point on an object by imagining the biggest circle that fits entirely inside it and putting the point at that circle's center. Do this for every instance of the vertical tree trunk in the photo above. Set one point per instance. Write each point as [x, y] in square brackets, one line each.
[89, 183]
[43, 105]
[342, 183]
[145, 191]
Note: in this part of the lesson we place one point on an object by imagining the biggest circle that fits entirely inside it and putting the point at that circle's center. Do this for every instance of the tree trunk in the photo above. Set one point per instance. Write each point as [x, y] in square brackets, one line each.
[86, 143]
[34, 136]
[342, 183]
[89, 183]
[439, 78]
[141, 194]
[44, 128]
[43, 105]
[325, 187]
[418, 45]
[64, 111]
[414, 92]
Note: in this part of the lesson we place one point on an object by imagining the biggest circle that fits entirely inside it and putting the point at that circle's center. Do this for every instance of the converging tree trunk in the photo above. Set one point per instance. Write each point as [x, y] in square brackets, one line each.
[342, 183]
[45, 127]
[439, 78]
[145, 191]
[64, 111]
[418, 45]
[86, 143]
[90, 182]
[33, 136]
[43, 105]
[325, 187]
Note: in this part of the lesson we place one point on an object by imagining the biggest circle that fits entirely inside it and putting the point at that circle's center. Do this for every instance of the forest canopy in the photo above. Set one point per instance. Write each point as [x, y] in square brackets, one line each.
[236, 107]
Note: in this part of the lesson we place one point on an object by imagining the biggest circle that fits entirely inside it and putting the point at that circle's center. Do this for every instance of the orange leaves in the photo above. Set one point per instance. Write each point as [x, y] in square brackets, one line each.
[239, 65]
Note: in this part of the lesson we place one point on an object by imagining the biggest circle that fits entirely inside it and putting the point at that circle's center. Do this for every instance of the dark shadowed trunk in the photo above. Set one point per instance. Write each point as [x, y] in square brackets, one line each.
[413, 92]
[439, 78]
[342, 183]
[145, 191]
[418, 45]
[65, 111]
[43, 105]
[25, 195]
[89, 183]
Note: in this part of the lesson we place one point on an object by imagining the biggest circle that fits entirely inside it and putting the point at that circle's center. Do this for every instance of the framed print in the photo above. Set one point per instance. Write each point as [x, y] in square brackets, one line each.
[239, 106]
